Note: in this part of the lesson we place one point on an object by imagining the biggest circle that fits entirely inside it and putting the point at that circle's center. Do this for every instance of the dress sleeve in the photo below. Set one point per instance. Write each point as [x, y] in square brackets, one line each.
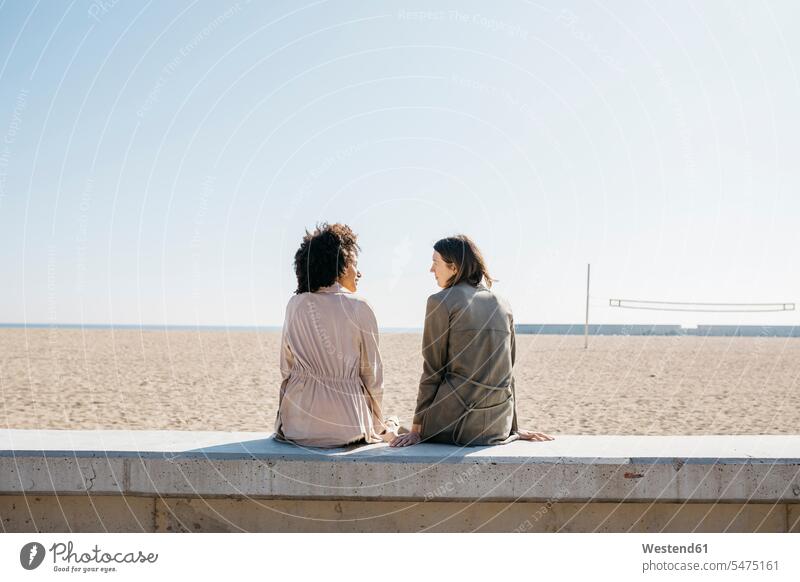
[435, 337]
[287, 357]
[371, 366]
[285, 363]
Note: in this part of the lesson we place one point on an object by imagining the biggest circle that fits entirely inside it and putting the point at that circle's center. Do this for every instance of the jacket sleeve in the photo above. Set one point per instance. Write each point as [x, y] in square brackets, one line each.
[435, 337]
[513, 380]
[371, 364]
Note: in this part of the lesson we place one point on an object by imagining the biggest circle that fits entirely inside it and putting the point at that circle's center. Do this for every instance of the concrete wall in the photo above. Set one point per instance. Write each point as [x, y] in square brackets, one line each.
[659, 330]
[59, 481]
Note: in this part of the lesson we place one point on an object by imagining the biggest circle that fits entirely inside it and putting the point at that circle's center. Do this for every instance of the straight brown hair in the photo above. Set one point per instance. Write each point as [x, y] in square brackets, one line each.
[461, 251]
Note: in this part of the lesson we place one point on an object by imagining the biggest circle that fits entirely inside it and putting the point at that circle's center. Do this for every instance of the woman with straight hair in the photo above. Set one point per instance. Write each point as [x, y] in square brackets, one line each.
[332, 375]
[466, 393]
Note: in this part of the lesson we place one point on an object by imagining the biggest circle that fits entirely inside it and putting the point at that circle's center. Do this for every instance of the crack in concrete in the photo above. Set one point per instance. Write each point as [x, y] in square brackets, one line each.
[92, 478]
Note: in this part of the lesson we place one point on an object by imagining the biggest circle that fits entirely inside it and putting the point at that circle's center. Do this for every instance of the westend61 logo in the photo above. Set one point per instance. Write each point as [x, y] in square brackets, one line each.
[32, 555]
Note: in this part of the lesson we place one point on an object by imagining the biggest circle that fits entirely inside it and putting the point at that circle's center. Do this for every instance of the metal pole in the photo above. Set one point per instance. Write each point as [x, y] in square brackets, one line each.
[586, 326]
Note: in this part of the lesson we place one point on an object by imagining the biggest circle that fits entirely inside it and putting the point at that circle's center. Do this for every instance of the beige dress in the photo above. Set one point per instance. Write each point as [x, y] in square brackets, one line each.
[332, 374]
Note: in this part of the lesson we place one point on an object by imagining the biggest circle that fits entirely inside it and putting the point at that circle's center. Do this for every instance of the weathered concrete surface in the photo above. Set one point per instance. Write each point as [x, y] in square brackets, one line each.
[76, 513]
[793, 518]
[222, 515]
[571, 468]
[67, 474]
[82, 513]
[250, 482]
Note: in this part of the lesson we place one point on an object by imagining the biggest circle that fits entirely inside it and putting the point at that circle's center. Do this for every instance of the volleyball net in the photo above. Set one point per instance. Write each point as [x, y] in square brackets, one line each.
[701, 307]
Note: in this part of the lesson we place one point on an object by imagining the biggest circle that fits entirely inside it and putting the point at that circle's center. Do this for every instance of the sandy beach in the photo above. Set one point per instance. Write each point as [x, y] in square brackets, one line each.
[216, 380]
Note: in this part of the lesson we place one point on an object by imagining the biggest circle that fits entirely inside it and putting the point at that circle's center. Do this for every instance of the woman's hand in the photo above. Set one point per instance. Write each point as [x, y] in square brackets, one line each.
[405, 440]
[527, 435]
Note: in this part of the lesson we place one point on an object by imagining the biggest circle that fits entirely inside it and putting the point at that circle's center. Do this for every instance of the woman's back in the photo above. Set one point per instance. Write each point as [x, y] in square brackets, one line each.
[325, 330]
[332, 373]
[466, 393]
[480, 335]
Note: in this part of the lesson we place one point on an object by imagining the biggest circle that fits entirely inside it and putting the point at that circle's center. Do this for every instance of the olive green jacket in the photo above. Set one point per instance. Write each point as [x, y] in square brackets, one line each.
[466, 393]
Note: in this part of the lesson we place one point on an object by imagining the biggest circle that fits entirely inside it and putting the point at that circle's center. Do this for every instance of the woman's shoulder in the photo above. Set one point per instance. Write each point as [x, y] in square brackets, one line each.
[293, 300]
[502, 302]
[440, 295]
[363, 312]
[441, 298]
[362, 301]
[468, 293]
[356, 305]
[359, 301]
[458, 293]
[499, 297]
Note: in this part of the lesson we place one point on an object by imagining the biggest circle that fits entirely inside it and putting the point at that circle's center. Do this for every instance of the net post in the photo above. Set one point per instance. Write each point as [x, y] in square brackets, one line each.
[586, 325]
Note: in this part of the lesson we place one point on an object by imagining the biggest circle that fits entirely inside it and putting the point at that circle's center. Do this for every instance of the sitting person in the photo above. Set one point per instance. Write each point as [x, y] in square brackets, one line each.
[332, 374]
[466, 393]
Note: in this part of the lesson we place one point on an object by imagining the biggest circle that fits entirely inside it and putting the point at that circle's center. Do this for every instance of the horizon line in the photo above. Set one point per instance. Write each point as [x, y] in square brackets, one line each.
[569, 328]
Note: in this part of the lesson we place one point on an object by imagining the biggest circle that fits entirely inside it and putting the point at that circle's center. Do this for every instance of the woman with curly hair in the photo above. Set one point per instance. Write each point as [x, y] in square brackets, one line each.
[332, 374]
[466, 392]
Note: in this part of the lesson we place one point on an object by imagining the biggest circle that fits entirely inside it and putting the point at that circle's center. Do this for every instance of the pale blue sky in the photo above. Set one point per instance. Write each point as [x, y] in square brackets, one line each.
[159, 161]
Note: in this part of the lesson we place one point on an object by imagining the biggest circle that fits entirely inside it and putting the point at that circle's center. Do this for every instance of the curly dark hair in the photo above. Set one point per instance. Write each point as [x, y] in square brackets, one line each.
[323, 256]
